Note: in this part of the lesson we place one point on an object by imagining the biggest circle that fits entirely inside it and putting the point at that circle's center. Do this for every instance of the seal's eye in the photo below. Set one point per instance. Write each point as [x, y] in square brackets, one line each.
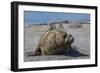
[64, 36]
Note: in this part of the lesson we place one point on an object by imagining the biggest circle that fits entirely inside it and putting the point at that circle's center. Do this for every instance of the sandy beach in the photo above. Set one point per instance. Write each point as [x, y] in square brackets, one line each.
[81, 33]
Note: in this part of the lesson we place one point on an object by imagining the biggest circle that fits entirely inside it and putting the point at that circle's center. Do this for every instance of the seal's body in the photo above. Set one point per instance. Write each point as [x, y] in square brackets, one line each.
[54, 42]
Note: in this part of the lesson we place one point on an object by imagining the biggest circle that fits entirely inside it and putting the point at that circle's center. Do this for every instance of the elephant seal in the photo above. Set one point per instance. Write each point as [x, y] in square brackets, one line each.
[54, 41]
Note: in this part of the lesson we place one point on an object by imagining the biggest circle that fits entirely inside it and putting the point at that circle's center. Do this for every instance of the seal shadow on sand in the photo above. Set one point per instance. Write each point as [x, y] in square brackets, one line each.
[73, 52]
